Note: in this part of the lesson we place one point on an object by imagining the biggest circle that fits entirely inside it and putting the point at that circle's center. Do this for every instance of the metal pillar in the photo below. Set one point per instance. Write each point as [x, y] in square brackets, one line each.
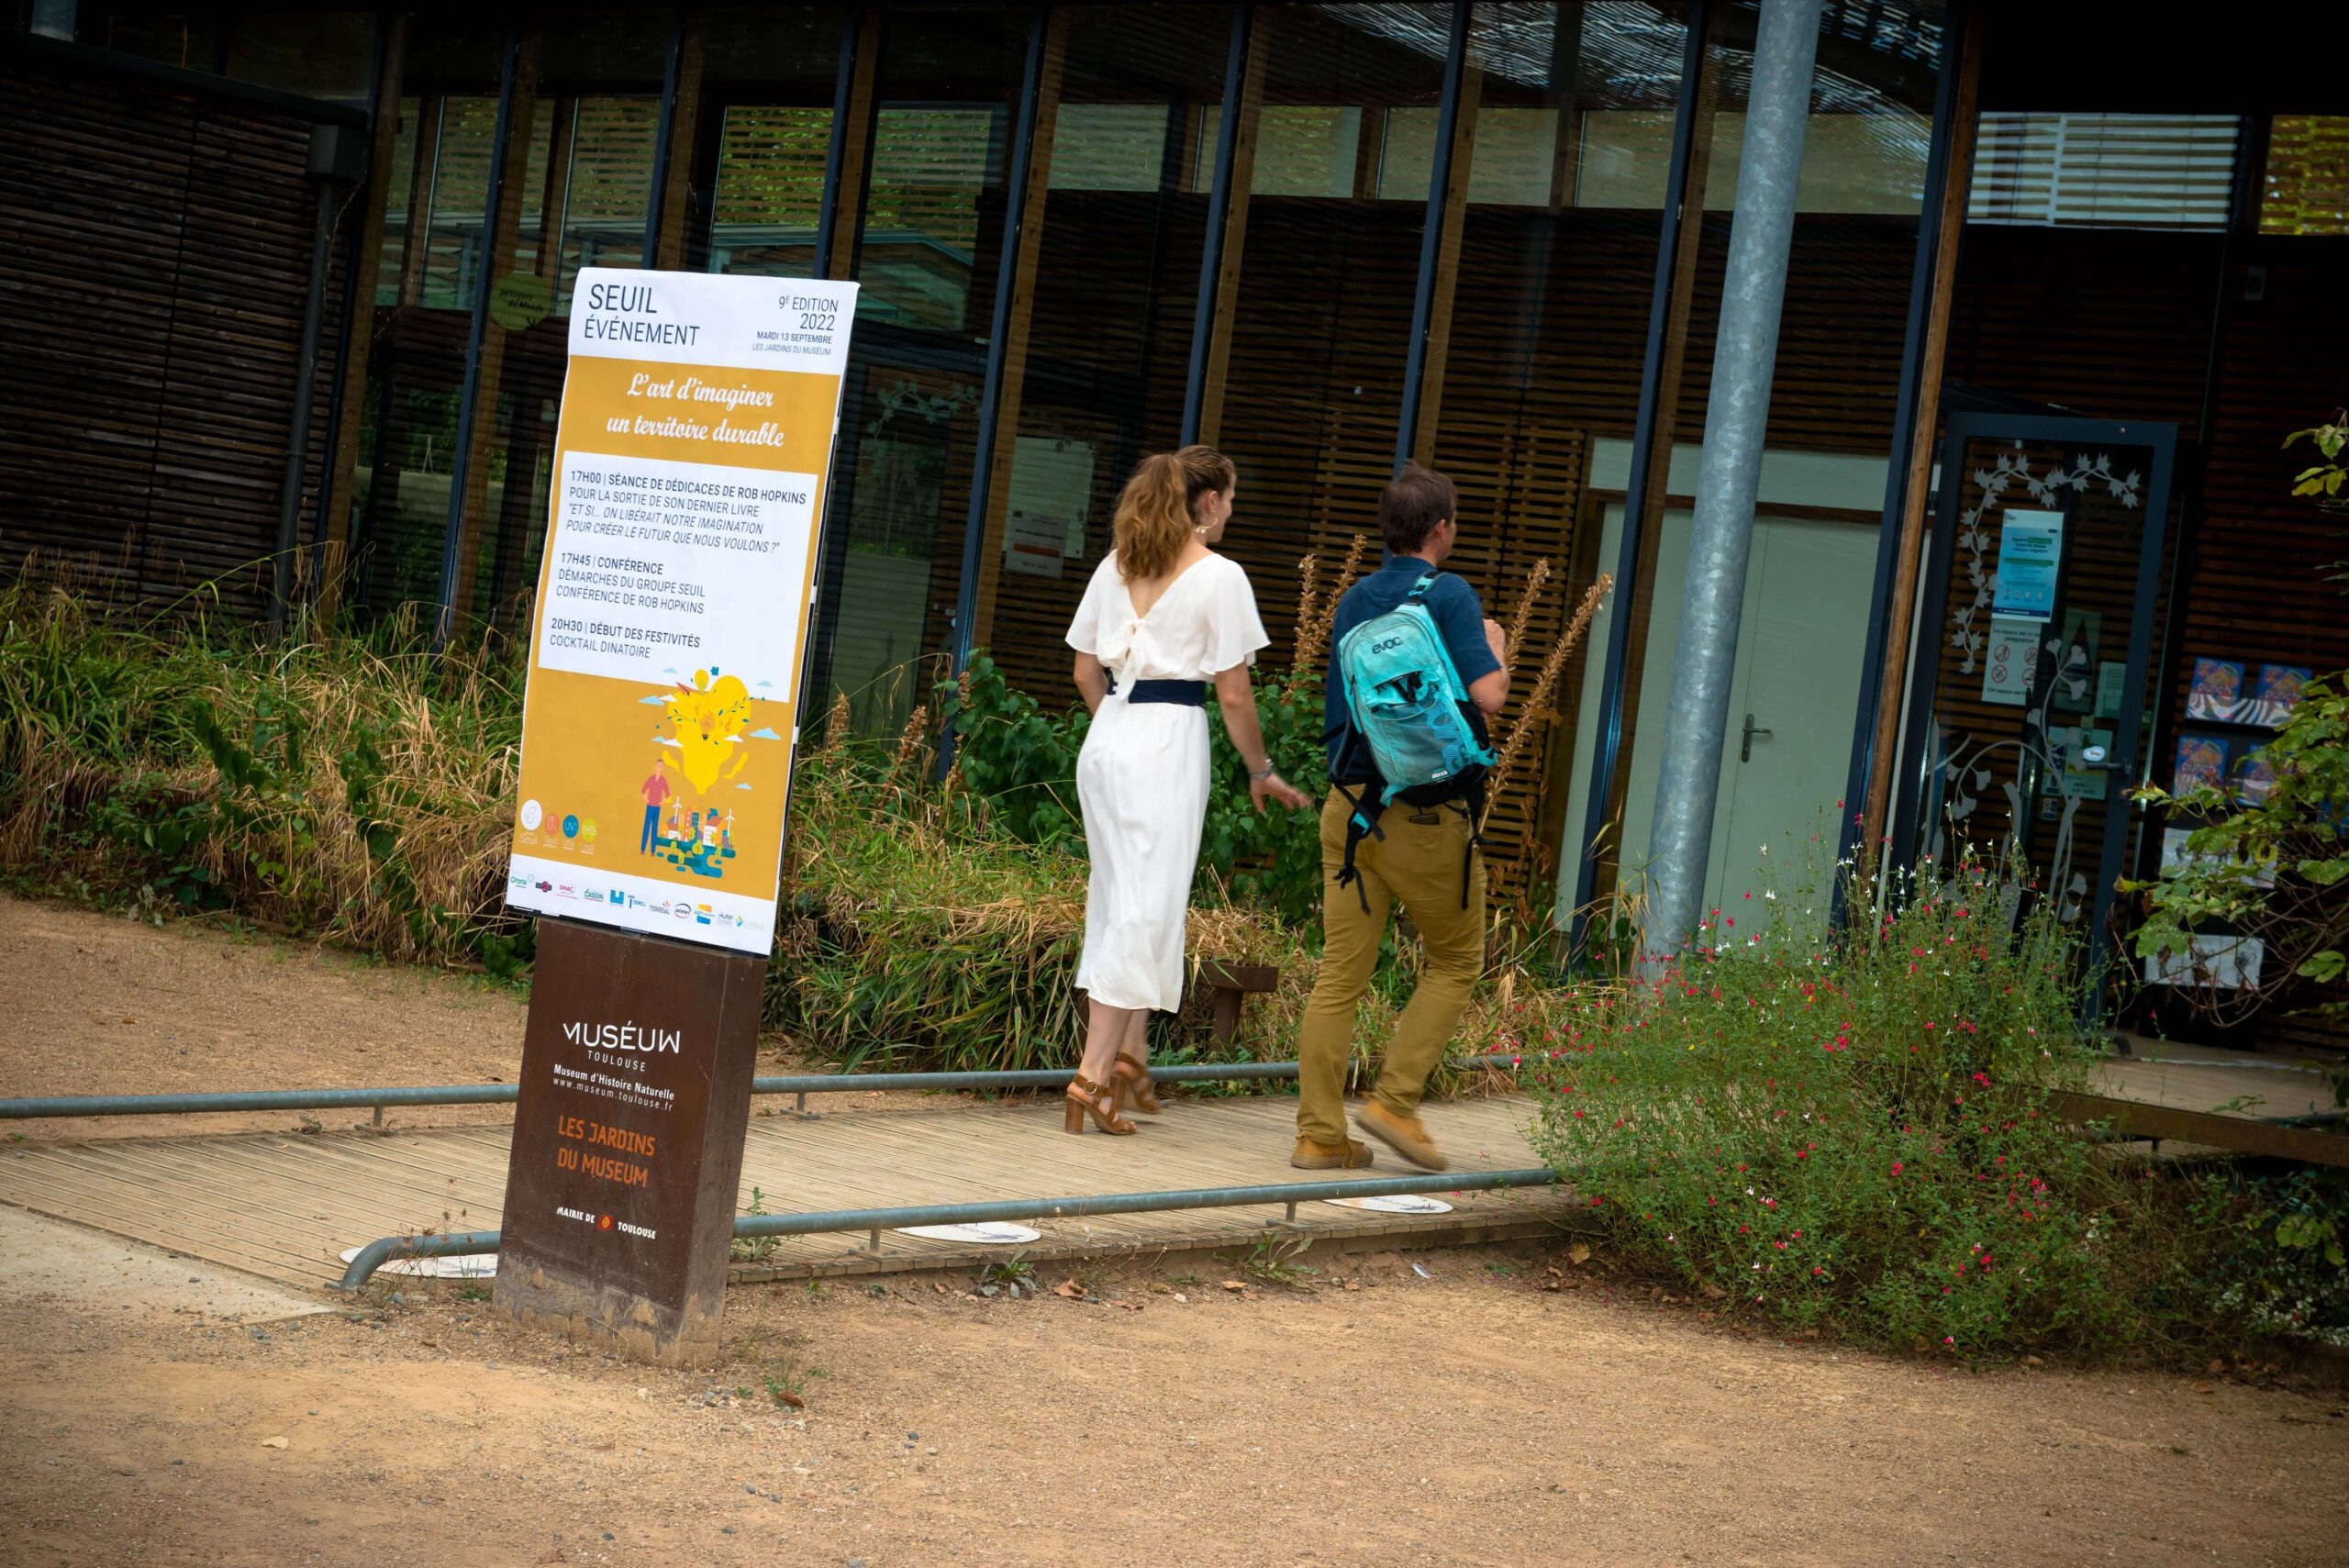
[663, 155]
[1575, 857]
[1736, 421]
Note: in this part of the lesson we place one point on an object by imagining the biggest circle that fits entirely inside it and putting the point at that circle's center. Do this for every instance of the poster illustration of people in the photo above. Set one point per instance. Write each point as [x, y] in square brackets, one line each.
[691, 464]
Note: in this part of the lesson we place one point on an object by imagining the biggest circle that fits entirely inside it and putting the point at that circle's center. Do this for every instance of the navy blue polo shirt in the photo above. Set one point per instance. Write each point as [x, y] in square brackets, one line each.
[1459, 617]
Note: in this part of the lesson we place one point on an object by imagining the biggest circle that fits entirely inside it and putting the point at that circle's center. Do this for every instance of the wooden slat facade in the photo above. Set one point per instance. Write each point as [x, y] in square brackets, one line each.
[155, 240]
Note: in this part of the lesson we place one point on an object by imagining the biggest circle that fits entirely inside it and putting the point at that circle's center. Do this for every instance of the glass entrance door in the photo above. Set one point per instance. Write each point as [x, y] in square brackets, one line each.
[2028, 715]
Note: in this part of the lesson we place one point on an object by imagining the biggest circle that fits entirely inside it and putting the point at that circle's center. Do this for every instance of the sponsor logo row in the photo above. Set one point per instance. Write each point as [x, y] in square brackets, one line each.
[676, 909]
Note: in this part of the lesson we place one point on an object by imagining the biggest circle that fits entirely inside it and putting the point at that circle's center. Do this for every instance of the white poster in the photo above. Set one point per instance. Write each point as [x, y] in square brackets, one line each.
[691, 458]
[2009, 661]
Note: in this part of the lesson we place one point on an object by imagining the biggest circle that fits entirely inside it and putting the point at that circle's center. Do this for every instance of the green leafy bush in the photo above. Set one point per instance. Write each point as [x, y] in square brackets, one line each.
[1021, 762]
[1857, 1133]
[918, 936]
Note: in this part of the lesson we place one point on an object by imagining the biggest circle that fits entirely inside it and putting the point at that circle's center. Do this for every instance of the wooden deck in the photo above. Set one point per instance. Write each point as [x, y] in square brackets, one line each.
[2198, 1097]
[285, 1205]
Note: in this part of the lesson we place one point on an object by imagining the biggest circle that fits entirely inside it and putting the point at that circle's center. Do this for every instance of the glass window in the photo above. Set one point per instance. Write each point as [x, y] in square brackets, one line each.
[459, 196]
[934, 165]
[769, 197]
[189, 39]
[768, 79]
[1108, 341]
[930, 252]
[610, 192]
[1545, 346]
[1321, 326]
[2307, 187]
[2100, 171]
[1110, 147]
[320, 54]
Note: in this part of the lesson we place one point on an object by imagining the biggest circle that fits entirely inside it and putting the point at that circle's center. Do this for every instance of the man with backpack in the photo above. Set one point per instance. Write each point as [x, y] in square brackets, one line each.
[1414, 668]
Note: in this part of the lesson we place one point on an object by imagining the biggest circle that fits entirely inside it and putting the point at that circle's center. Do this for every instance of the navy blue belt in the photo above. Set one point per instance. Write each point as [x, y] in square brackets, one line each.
[1176, 694]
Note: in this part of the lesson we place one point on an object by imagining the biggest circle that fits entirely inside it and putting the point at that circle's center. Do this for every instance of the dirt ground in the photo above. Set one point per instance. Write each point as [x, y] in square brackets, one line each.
[165, 1411]
[1468, 1418]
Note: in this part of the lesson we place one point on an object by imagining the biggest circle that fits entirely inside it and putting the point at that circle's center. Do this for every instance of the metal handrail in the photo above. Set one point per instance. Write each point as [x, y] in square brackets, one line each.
[470, 1243]
[800, 1083]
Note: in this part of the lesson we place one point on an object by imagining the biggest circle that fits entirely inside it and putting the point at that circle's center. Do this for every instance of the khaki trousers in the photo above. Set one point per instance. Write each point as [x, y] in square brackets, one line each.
[1419, 863]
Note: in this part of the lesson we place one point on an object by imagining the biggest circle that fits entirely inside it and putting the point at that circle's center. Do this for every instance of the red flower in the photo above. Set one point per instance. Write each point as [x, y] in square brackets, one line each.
[1896, 1167]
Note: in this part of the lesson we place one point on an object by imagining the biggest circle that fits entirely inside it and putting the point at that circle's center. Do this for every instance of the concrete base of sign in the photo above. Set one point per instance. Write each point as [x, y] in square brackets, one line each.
[628, 1140]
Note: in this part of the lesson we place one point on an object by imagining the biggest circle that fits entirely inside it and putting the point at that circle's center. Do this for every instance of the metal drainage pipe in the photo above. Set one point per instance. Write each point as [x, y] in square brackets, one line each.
[503, 1093]
[376, 1253]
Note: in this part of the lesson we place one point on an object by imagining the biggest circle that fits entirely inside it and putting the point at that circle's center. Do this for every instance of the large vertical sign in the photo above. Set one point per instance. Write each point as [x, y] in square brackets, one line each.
[689, 473]
[690, 469]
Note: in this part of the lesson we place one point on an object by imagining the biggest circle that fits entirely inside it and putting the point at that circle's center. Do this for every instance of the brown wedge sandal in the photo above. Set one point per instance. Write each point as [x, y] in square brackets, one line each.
[1085, 1098]
[1136, 1092]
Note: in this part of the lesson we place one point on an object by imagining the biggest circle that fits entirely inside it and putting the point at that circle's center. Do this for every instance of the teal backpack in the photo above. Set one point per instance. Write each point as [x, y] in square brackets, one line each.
[1408, 709]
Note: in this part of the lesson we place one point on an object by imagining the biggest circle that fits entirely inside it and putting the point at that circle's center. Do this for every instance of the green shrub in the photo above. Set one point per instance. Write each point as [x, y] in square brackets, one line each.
[918, 936]
[1020, 759]
[1859, 1133]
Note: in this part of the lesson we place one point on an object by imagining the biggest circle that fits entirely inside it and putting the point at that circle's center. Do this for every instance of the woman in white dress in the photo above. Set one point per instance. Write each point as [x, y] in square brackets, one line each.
[1164, 619]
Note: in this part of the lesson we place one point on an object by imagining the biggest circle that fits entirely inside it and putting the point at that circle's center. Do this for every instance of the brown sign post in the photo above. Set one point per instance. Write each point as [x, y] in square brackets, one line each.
[654, 782]
[628, 1140]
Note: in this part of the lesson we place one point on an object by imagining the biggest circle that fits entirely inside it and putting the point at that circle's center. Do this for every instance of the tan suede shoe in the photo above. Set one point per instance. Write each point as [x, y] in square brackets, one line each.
[1347, 1156]
[1402, 1134]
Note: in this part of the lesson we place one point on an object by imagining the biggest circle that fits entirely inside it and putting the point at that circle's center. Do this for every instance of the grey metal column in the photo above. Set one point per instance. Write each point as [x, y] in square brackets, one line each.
[1736, 421]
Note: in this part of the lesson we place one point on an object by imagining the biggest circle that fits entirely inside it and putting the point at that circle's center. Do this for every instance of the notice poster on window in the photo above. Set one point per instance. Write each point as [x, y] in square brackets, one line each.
[692, 459]
[2031, 558]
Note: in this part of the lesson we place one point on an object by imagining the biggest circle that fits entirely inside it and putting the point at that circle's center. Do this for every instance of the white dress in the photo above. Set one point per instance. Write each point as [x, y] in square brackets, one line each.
[1142, 779]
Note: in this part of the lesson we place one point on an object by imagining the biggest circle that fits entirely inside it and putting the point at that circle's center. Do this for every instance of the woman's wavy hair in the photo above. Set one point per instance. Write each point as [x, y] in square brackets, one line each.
[1160, 506]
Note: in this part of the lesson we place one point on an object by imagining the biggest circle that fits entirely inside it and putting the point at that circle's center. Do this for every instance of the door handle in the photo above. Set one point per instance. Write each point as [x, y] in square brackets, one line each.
[1745, 746]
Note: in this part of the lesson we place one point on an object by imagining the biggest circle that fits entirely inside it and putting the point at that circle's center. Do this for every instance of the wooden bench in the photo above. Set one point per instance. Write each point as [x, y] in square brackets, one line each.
[1227, 986]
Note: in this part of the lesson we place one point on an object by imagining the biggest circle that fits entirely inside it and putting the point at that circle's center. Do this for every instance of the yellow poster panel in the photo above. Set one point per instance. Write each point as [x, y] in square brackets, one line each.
[690, 470]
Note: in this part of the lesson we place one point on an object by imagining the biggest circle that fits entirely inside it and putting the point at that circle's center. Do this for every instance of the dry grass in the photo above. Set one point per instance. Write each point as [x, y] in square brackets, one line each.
[367, 791]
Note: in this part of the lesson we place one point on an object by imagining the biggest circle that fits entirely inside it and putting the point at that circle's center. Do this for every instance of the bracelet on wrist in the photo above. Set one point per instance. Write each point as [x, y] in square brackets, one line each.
[1263, 773]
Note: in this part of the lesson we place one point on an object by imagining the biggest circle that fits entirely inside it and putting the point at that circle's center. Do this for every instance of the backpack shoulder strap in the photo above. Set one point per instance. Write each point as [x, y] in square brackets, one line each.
[1358, 827]
[1419, 589]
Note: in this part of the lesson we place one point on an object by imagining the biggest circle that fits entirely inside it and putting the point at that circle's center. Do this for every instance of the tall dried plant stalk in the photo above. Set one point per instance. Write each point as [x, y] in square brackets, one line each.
[836, 725]
[913, 745]
[1514, 641]
[1316, 612]
[1536, 713]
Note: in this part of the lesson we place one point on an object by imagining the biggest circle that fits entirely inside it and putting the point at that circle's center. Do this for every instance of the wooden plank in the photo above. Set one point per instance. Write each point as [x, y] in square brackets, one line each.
[1235, 235]
[1447, 264]
[360, 332]
[855, 132]
[2239, 1134]
[555, 192]
[1902, 609]
[284, 1205]
[1022, 268]
[676, 204]
[418, 239]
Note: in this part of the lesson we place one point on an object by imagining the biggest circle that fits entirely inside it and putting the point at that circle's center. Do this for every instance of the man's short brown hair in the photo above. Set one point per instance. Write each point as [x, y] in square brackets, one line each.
[1414, 502]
